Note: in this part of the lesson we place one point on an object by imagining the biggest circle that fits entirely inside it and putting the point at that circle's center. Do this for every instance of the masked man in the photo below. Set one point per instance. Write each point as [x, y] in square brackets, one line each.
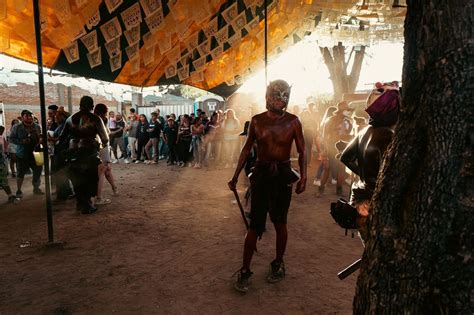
[364, 154]
[272, 177]
[81, 129]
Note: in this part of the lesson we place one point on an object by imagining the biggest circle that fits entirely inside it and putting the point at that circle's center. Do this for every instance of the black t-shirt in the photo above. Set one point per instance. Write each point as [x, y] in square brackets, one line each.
[171, 133]
[119, 124]
[156, 126]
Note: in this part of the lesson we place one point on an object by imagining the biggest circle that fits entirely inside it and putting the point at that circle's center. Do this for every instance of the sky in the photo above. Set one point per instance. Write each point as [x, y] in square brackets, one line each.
[301, 65]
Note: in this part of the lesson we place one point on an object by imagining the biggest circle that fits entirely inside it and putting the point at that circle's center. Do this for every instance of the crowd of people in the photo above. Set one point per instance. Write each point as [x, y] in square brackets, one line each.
[192, 140]
[83, 147]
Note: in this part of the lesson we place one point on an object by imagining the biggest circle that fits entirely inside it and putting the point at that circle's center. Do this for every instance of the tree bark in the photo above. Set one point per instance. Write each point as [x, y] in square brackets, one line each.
[419, 254]
[337, 65]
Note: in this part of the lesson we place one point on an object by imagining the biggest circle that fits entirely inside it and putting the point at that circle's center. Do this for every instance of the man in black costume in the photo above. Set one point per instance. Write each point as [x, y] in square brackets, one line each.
[272, 177]
[81, 130]
[364, 154]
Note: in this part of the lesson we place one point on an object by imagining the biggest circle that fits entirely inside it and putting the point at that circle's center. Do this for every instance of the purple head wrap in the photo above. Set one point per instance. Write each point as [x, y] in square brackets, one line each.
[384, 110]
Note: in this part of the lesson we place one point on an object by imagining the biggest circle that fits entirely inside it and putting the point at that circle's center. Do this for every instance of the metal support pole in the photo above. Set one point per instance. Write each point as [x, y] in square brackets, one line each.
[49, 212]
[266, 43]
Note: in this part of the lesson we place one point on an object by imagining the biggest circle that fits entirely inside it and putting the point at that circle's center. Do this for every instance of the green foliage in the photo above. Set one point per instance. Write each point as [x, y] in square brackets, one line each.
[187, 91]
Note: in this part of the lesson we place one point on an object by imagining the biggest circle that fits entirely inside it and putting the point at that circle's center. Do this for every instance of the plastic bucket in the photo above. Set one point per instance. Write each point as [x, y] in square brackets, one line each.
[39, 160]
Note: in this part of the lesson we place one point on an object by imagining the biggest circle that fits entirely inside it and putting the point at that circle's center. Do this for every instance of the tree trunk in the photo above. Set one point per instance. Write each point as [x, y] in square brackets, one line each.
[419, 255]
[342, 82]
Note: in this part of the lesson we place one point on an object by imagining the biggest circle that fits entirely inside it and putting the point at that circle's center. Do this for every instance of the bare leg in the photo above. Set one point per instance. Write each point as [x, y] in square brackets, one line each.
[249, 248]
[281, 239]
[110, 178]
[100, 184]
[13, 164]
[326, 171]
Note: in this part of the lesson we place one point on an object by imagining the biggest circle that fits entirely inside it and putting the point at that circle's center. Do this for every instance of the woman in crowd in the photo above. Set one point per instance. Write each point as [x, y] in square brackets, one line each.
[197, 131]
[12, 150]
[210, 139]
[231, 128]
[132, 129]
[105, 171]
[142, 136]
[184, 140]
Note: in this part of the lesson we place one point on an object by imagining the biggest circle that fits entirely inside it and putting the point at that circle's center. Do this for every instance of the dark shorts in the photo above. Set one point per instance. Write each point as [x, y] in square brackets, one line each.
[3, 174]
[271, 187]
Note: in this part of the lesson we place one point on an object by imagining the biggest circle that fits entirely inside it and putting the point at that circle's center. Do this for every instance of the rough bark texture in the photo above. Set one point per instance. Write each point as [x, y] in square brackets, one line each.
[335, 60]
[419, 258]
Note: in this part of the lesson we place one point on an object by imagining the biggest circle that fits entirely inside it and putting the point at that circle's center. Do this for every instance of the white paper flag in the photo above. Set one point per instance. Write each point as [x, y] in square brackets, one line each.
[211, 28]
[82, 31]
[199, 63]
[197, 76]
[93, 20]
[183, 73]
[90, 41]
[155, 21]
[132, 16]
[111, 29]
[216, 52]
[230, 81]
[133, 35]
[115, 62]
[112, 5]
[133, 51]
[174, 54]
[239, 22]
[135, 65]
[149, 55]
[170, 70]
[230, 13]
[183, 29]
[184, 59]
[72, 52]
[222, 35]
[192, 41]
[150, 6]
[234, 40]
[204, 48]
[113, 47]
[148, 39]
[62, 10]
[252, 25]
[95, 58]
[164, 44]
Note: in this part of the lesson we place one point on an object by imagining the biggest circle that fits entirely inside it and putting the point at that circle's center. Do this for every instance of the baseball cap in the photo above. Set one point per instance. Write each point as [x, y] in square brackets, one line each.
[26, 112]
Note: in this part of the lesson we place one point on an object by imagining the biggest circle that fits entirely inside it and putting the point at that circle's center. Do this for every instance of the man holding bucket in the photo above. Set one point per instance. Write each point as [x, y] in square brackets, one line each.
[27, 136]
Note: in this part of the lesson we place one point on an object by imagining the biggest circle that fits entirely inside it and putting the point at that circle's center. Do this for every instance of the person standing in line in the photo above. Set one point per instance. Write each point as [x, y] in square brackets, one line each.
[12, 150]
[142, 137]
[154, 132]
[171, 136]
[132, 129]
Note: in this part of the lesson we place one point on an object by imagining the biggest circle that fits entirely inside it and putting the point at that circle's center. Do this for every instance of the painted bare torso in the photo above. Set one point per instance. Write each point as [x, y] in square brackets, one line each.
[274, 135]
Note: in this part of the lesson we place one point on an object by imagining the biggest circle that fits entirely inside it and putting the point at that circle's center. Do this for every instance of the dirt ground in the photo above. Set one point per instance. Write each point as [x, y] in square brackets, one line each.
[168, 244]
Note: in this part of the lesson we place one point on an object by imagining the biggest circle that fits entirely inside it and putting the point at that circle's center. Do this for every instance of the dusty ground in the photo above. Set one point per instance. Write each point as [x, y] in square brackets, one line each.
[169, 243]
